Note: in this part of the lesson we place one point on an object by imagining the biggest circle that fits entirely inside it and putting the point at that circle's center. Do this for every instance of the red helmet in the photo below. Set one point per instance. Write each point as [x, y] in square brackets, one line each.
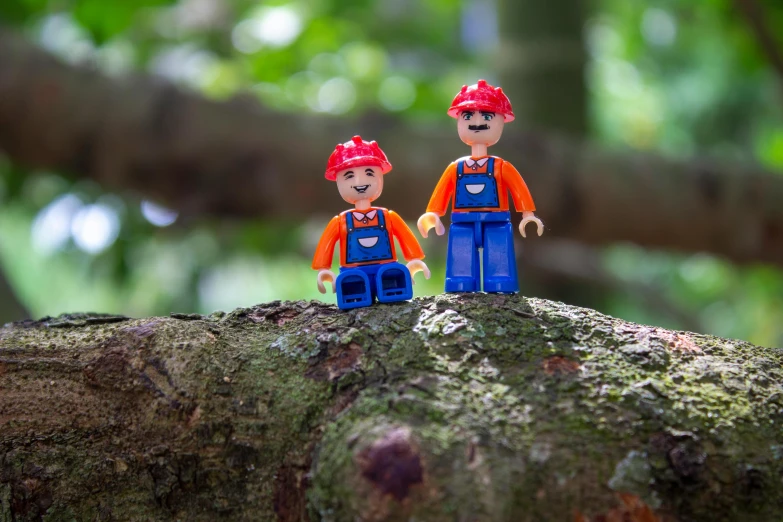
[356, 153]
[481, 97]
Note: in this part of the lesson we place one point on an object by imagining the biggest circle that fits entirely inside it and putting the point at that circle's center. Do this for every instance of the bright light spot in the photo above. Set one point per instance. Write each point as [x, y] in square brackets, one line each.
[244, 39]
[157, 215]
[397, 93]
[302, 89]
[705, 273]
[116, 57]
[52, 226]
[233, 283]
[95, 227]
[278, 26]
[270, 26]
[620, 78]
[185, 63]
[169, 268]
[336, 96]
[602, 39]
[364, 60]
[659, 27]
[61, 35]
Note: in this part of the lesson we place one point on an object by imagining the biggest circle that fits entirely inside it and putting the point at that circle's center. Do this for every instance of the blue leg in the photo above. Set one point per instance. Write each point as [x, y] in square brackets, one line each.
[394, 283]
[353, 289]
[462, 261]
[500, 265]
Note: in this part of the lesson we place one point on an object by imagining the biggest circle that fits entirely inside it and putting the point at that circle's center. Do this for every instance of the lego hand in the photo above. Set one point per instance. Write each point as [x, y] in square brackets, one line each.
[429, 220]
[415, 266]
[325, 276]
[529, 217]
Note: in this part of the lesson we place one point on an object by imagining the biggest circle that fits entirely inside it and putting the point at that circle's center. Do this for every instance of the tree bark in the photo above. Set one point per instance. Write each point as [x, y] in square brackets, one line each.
[458, 407]
[238, 159]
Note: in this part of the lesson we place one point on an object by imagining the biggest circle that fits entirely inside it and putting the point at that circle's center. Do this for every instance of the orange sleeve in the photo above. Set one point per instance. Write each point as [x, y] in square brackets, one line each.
[324, 252]
[410, 247]
[523, 201]
[443, 192]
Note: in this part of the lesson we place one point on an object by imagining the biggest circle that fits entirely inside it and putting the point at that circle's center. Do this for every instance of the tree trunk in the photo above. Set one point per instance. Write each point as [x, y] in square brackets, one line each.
[458, 407]
[542, 63]
[239, 159]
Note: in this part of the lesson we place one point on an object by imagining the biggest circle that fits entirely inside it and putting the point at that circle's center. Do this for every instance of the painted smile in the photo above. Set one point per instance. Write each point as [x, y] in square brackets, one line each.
[361, 189]
[478, 128]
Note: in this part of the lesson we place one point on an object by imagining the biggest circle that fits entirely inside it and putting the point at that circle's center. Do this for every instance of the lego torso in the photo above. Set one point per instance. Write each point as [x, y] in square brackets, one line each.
[479, 185]
[476, 184]
[366, 237]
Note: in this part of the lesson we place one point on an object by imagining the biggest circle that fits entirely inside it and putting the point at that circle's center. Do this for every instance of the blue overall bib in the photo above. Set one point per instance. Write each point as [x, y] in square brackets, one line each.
[367, 244]
[476, 190]
[471, 230]
[372, 246]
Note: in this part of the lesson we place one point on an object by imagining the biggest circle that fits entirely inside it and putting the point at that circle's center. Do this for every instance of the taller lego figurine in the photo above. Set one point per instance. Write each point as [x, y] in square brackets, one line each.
[479, 185]
[368, 261]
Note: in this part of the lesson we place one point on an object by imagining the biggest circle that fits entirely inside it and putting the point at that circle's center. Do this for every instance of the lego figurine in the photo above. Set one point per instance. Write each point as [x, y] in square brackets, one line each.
[479, 185]
[368, 262]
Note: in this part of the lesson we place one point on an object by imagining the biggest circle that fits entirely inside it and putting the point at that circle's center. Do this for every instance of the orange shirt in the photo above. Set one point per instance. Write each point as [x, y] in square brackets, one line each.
[508, 180]
[337, 230]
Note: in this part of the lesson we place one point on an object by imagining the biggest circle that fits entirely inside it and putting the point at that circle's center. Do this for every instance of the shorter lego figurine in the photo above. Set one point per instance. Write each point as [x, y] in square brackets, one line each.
[368, 261]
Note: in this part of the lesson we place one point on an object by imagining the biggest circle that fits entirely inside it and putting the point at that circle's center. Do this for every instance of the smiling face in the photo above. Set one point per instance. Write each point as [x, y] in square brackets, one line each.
[360, 183]
[480, 127]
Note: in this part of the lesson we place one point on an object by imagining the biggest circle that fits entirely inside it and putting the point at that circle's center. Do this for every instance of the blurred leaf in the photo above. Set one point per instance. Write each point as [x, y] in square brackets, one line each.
[106, 19]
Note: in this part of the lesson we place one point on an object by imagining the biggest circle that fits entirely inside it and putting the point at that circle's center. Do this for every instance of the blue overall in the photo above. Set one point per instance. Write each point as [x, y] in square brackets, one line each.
[471, 230]
[359, 286]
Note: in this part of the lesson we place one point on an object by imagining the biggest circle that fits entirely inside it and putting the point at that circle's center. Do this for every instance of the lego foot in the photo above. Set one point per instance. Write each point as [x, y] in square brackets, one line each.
[501, 286]
[353, 290]
[461, 284]
[394, 284]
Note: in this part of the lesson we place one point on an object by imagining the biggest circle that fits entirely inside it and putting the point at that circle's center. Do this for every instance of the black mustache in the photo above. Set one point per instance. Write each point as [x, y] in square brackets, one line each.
[478, 127]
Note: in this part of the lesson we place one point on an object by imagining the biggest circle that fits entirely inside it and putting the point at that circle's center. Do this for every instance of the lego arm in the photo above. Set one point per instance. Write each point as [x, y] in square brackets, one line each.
[322, 260]
[411, 249]
[438, 204]
[523, 201]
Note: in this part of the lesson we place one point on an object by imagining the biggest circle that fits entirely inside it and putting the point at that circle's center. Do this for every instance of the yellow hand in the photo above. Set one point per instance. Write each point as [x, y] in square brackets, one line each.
[325, 276]
[429, 220]
[415, 266]
[529, 217]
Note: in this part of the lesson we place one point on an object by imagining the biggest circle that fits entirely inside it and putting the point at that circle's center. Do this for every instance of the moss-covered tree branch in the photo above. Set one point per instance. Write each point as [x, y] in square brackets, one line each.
[473, 407]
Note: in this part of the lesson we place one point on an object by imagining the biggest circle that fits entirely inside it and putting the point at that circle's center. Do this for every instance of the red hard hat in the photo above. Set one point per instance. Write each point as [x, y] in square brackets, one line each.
[356, 153]
[481, 97]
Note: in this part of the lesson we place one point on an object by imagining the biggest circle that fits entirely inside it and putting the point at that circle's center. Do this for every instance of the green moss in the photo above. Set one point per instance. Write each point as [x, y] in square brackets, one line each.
[645, 411]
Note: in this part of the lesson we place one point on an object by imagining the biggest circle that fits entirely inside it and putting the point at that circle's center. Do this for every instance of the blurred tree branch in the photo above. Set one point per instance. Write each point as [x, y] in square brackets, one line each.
[754, 13]
[237, 158]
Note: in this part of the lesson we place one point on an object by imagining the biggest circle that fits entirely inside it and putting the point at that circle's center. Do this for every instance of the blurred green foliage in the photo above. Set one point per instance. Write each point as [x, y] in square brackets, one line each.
[680, 77]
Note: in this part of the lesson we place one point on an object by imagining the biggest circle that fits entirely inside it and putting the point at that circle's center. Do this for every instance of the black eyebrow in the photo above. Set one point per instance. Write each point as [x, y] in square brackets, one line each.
[349, 172]
[368, 169]
[488, 112]
[468, 112]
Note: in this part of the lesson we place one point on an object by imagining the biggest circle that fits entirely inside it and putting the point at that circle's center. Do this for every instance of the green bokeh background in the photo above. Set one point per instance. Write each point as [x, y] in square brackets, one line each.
[682, 78]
